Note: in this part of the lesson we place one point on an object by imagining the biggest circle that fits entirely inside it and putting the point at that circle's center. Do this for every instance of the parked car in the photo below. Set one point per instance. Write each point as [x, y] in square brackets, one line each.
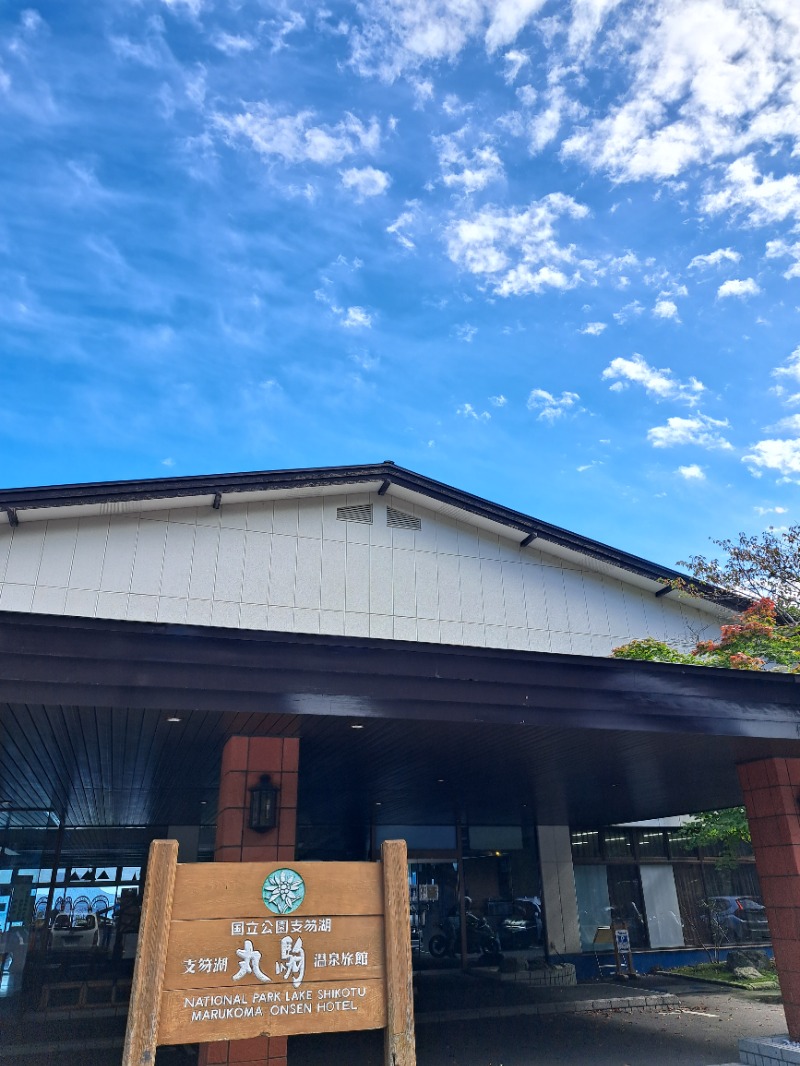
[74, 932]
[519, 923]
[737, 918]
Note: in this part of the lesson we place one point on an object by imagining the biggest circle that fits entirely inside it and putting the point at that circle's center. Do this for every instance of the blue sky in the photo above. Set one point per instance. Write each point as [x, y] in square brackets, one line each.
[546, 252]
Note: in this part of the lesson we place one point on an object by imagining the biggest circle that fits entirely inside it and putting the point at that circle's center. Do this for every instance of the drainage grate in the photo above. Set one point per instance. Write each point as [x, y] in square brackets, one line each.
[401, 520]
[358, 512]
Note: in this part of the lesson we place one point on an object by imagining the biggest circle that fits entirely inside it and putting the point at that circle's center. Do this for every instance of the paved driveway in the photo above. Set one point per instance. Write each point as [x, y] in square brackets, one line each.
[703, 1029]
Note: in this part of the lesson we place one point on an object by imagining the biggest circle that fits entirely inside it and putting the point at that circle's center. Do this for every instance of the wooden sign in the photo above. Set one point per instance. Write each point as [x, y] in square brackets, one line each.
[229, 951]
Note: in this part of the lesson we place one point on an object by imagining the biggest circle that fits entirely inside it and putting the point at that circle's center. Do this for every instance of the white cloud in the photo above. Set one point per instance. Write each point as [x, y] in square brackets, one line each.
[366, 181]
[587, 18]
[700, 430]
[350, 317]
[659, 383]
[711, 259]
[527, 95]
[498, 401]
[514, 61]
[357, 318]
[465, 332]
[706, 79]
[666, 309]
[629, 311]
[738, 287]
[169, 461]
[294, 138]
[233, 44]
[692, 472]
[544, 127]
[401, 224]
[779, 248]
[791, 368]
[516, 251]
[770, 510]
[191, 7]
[782, 456]
[551, 407]
[764, 198]
[593, 329]
[508, 17]
[398, 36]
[790, 424]
[290, 23]
[467, 172]
[466, 410]
[454, 105]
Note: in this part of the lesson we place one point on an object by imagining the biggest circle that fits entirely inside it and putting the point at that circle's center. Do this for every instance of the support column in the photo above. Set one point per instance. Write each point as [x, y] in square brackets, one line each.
[771, 788]
[558, 889]
[244, 760]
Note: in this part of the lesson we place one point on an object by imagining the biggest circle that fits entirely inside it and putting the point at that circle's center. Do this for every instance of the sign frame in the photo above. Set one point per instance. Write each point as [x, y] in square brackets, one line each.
[147, 992]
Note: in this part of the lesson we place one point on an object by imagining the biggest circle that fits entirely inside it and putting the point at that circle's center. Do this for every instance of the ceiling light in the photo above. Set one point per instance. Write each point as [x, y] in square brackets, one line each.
[356, 725]
[174, 719]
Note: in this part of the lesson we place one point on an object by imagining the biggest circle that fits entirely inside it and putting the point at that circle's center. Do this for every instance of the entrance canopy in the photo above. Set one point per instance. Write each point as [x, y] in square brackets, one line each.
[110, 723]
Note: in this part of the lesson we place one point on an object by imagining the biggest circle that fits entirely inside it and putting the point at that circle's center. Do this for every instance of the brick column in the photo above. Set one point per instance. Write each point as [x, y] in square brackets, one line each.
[244, 760]
[771, 788]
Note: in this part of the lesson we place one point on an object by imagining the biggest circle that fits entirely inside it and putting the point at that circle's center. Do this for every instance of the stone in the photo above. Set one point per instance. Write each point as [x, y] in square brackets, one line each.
[748, 957]
[747, 973]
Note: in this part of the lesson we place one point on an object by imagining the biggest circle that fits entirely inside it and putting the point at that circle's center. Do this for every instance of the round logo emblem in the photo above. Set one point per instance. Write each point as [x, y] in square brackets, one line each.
[283, 891]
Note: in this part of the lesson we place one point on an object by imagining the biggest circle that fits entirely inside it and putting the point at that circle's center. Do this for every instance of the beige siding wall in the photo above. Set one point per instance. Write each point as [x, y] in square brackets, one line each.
[291, 565]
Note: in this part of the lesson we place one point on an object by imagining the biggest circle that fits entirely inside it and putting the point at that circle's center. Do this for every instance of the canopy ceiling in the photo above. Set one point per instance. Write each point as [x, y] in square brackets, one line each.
[390, 732]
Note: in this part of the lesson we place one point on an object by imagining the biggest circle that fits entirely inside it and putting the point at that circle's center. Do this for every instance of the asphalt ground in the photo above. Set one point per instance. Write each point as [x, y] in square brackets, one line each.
[701, 1029]
[701, 1026]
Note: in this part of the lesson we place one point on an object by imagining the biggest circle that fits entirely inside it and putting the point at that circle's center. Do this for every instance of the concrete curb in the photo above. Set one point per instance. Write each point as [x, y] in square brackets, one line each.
[620, 1003]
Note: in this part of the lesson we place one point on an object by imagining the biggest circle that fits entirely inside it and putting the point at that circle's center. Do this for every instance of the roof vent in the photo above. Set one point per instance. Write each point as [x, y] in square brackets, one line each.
[401, 520]
[113, 507]
[358, 512]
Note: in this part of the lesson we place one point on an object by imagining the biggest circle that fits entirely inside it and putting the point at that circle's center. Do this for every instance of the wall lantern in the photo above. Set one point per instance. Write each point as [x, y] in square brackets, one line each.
[263, 806]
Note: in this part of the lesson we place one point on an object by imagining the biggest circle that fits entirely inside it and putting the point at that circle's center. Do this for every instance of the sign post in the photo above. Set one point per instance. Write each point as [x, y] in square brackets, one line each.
[229, 951]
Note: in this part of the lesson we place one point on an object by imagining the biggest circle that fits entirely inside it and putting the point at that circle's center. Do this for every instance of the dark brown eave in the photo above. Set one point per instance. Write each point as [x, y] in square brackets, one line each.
[570, 739]
[183, 667]
[16, 502]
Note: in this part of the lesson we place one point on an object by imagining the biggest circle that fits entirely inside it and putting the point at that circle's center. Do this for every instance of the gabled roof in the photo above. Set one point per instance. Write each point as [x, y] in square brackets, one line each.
[214, 490]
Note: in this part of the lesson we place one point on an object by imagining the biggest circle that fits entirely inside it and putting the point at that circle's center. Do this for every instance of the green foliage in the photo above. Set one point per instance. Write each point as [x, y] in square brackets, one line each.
[755, 642]
[765, 566]
[655, 651]
[719, 973]
[726, 829]
[719, 827]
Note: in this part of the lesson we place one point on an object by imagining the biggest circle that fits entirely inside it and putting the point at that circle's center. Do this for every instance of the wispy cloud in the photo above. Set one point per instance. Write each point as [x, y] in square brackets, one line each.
[467, 171]
[465, 332]
[405, 222]
[593, 329]
[517, 251]
[699, 430]
[712, 259]
[366, 181]
[233, 44]
[297, 138]
[466, 410]
[549, 408]
[662, 384]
